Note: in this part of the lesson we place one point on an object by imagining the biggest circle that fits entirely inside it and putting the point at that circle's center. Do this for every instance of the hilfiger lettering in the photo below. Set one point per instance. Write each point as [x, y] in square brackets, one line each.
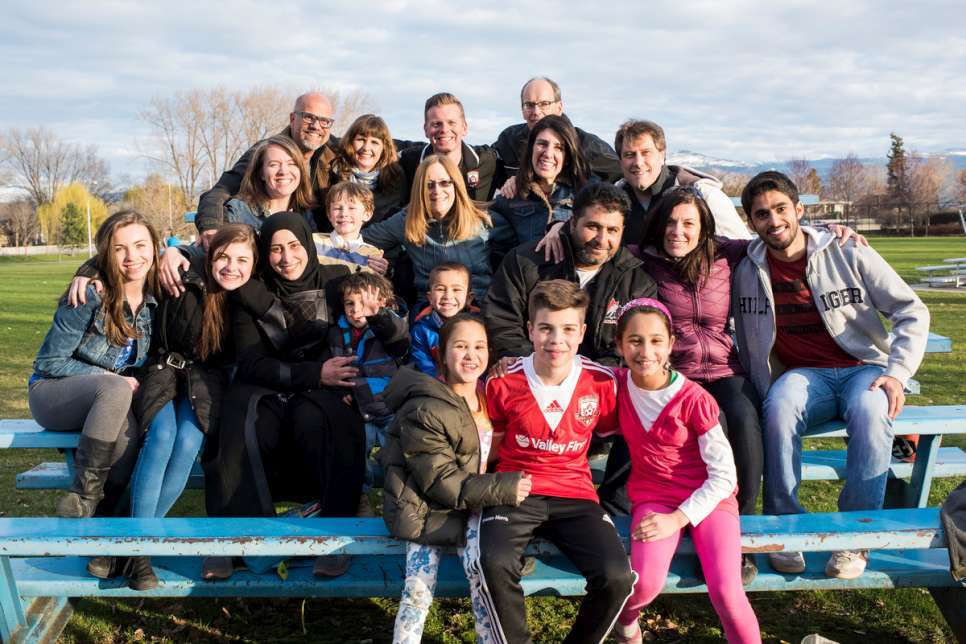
[754, 305]
[834, 299]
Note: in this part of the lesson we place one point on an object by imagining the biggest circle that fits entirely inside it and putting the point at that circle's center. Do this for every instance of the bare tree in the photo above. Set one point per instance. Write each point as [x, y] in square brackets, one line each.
[348, 107]
[926, 178]
[264, 112]
[732, 183]
[848, 179]
[177, 144]
[18, 220]
[961, 186]
[798, 170]
[40, 163]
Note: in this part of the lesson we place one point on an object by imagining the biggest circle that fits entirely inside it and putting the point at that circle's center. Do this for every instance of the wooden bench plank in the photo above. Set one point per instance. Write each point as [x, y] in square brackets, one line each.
[817, 465]
[283, 536]
[383, 576]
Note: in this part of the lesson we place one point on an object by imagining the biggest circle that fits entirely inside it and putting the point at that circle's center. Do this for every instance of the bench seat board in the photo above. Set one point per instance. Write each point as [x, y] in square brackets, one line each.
[908, 528]
[382, 576]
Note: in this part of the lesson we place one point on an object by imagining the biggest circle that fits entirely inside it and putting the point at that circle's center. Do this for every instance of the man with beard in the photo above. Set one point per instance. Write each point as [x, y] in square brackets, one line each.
[593, 258]
[608, 272]
[809, 332]
[309, 125]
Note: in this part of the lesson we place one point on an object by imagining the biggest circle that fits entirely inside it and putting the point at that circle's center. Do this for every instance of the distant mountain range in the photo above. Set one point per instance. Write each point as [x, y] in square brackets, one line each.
[698, 161]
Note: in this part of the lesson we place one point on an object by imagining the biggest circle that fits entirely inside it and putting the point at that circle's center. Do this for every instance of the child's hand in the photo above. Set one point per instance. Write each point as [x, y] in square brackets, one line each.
[523, 487]
[379, 264]
[656, 526]
[371, 301]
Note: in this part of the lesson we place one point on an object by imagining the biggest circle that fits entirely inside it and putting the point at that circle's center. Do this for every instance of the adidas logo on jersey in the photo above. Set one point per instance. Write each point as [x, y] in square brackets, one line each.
[553, 408]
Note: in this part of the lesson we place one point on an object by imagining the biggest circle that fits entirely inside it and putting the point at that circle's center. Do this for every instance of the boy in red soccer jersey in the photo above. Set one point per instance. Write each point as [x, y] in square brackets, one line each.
[544, 411]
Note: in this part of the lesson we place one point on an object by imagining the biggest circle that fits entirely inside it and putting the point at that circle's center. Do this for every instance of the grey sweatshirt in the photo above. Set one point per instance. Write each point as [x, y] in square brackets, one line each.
[851, 285]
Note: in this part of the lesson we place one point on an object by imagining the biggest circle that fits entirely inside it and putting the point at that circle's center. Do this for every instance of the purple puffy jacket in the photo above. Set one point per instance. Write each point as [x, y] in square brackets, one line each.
[704, 350]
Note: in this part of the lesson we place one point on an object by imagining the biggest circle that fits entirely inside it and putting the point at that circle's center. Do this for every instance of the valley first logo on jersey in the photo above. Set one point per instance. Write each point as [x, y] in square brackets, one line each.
[588, 409]
[547, 445]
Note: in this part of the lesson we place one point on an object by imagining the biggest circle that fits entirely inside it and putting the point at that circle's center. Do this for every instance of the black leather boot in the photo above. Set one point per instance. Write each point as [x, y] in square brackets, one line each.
[140, 575]
[106, 567]
[92, 463]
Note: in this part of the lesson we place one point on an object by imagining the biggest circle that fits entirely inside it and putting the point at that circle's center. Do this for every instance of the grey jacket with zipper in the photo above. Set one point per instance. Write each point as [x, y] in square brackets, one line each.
[851, 286]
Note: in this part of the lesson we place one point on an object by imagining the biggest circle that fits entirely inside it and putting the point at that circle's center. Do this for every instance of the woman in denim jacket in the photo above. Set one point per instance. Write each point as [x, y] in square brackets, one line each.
[442, 224]
[545, 185]
[82, 372]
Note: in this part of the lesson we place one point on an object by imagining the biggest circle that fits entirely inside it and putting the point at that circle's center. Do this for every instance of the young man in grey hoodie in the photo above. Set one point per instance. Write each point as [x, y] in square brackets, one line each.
[809, 334]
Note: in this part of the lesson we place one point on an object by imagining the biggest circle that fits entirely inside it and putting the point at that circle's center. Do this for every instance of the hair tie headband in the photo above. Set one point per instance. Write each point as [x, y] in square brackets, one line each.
[645, 301]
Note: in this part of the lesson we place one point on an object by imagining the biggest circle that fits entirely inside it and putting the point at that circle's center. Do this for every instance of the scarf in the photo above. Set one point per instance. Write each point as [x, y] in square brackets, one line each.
[368, 179]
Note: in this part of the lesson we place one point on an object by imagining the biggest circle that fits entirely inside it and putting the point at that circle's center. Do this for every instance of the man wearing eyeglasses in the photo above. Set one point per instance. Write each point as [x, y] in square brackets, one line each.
[539, 97]
[445, 126]
[310, 123]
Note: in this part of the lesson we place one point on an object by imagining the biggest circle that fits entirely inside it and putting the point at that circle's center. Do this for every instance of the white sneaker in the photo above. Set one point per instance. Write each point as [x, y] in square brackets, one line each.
[792, 563]
[847, 564]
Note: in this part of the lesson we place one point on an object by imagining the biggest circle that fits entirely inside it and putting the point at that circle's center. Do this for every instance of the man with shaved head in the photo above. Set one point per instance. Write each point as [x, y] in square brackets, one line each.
[539, 97]
[309, 125]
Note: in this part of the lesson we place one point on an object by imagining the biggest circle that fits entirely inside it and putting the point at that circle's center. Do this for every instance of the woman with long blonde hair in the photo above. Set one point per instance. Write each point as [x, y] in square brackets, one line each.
[442, 224]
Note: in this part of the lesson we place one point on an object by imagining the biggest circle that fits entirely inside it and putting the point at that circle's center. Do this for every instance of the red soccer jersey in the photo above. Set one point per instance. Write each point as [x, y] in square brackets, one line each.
[547, 430]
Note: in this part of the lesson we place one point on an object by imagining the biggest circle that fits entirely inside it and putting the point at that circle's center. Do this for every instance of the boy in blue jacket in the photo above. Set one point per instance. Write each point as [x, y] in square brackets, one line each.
[449, 286]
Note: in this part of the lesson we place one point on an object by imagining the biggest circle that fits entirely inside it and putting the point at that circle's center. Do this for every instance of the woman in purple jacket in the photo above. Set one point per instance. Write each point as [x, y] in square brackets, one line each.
[693, 273]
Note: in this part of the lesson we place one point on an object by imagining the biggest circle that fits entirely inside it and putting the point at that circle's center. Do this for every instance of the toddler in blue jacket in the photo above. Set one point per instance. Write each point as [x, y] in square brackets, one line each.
[449, 286]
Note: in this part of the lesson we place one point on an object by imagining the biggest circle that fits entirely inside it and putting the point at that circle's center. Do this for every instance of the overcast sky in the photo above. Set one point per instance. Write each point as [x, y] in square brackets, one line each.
[732, 79]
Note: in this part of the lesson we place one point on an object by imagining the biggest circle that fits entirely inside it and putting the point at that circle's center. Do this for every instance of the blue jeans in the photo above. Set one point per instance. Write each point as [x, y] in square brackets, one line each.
[375, 433]
[802, 398]
[169, 452]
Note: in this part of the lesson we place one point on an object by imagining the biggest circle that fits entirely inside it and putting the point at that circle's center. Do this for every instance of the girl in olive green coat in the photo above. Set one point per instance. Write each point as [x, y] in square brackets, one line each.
[435, 470]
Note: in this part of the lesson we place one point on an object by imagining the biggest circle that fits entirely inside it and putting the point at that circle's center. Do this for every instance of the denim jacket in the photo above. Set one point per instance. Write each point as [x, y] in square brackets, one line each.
[76, 344]
[241, 212]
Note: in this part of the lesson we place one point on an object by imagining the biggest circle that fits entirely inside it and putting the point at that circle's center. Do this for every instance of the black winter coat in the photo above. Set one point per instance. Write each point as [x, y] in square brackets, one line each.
[174, 367]
[619, 281]
[432, 464]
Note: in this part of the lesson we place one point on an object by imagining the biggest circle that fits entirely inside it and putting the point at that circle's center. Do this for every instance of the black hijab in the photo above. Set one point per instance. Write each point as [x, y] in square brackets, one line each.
[311, 278]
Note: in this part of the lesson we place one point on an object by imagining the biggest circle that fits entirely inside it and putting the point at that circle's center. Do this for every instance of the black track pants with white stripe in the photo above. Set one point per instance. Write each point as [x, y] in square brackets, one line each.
[584, 533]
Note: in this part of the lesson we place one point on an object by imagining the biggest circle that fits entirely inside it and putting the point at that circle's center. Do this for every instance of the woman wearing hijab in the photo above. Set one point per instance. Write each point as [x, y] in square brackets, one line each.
[285, 435]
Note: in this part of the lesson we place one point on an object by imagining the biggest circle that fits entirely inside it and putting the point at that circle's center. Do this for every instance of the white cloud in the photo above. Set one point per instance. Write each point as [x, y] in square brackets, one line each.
[730, 79]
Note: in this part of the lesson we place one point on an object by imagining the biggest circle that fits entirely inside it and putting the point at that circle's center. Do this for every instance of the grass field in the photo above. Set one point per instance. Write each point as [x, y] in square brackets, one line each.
[28, 291]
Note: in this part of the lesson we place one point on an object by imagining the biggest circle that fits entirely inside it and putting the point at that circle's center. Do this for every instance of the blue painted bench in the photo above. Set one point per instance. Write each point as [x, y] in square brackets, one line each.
[930, 423]
[42, 560]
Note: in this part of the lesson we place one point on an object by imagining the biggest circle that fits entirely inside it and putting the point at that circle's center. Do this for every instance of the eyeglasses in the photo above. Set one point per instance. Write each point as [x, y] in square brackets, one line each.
[442, 184]
[543, 105]
[309, 118]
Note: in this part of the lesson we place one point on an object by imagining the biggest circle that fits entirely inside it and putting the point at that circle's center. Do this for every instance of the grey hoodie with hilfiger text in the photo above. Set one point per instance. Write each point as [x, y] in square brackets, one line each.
[851, 285]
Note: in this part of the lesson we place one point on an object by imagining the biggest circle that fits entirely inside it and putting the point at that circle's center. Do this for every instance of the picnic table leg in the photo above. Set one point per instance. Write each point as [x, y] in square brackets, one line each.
[952, 604]
[915, 493]
[12, 616]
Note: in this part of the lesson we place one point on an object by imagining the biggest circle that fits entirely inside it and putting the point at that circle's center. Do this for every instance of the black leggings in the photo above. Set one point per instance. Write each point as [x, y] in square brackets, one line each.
[740, 408]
